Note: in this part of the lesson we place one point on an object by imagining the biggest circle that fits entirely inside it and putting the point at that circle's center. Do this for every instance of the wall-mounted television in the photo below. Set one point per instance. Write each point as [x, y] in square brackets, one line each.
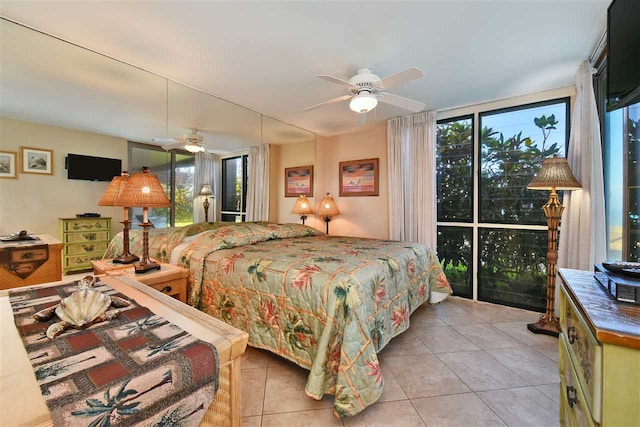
[623, 54]
[92, 168]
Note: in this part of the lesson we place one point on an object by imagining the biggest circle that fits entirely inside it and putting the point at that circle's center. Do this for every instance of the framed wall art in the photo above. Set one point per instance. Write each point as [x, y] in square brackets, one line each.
[36, 160]
[8, 164]
[298, 181]
[359, 178]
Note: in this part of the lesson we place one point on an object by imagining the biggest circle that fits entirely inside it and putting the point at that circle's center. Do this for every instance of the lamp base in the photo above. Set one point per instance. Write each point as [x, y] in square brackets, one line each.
[544, 326]
[143, 267]
[125, 259]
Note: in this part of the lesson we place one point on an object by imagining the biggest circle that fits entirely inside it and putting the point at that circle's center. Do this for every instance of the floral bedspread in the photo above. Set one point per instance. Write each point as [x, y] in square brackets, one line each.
[329, 304]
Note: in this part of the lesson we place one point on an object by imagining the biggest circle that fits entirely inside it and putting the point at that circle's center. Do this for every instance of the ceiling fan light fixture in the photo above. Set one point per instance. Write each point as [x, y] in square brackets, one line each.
[193, 147]
[363, 102]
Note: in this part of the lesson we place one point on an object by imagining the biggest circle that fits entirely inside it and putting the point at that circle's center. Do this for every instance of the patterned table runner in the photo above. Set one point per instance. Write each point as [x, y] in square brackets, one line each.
[138, 369]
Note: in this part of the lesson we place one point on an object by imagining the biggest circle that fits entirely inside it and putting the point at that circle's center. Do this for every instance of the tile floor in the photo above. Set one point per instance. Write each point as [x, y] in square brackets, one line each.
[482, 367]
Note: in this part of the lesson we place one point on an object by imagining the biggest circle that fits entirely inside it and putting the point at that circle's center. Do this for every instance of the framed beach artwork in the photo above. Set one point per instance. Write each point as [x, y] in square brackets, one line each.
[359, 178]
[298, 181]
[36, 160]
[8, 164]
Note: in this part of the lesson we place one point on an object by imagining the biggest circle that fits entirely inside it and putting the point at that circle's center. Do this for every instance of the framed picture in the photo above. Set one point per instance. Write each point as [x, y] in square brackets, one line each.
[298, 181]
[37, 160]
[8, 164]
[359, 178]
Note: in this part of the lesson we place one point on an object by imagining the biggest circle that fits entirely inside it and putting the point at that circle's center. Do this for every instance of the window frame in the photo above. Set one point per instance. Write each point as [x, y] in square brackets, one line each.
[244, 155]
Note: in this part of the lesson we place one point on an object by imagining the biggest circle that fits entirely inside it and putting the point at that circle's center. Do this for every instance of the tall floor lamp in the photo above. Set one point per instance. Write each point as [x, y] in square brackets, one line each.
[302, 207]
[110, 198]
[327, 209]
[144, 190]
[554, 174]
[206, 192]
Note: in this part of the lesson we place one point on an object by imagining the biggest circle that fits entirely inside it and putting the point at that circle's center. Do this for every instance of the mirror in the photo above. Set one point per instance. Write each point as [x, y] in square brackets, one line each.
[58, 96]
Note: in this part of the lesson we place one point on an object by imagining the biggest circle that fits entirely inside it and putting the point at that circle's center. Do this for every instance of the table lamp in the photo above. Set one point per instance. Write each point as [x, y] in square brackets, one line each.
[144, 190]
[206, 192]
[302, 207]
[109, 198]
[554, 174]
[328, 209]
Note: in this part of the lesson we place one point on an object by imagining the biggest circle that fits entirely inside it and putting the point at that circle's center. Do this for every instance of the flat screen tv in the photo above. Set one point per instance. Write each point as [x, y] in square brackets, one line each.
[92, 168]
[623, 56]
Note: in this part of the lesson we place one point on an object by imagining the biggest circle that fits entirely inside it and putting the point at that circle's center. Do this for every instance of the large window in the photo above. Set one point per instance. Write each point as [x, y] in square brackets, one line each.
[234, 188]
[492, 237]
[175, 171]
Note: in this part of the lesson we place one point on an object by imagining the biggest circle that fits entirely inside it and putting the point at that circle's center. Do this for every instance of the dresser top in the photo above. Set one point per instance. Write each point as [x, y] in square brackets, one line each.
[611, 321]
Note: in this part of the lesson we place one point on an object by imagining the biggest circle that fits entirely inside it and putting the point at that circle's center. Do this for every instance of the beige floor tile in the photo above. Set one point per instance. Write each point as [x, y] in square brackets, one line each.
[519, 331]
[444, 311]
[522, 407]
[392, 390]
[521, 314]
[549, 350]
[255, 358]
[285, 389]
[425, 317]
[480, 371]
[530, 365]
[424, 376]
[444, 339]
[251, 421]
[456, 410]
[405, 344]
[315, 418]
[252, 391]
[491, 313]
[463, 319]
[552, 391]
[486, 336]
[387, 414]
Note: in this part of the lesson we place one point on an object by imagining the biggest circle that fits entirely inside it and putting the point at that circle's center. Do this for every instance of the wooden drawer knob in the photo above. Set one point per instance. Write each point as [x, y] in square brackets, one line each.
[167, 289]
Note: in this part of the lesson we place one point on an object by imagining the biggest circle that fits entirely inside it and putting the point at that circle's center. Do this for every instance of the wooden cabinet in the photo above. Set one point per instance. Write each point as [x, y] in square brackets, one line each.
[599, 358]
[50, 271]
[84, 239]
[170, 279]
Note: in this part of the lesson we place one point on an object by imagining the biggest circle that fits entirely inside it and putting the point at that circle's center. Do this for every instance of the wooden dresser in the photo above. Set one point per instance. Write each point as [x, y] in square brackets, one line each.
[84, 239]
[50, 271]
[599, 355]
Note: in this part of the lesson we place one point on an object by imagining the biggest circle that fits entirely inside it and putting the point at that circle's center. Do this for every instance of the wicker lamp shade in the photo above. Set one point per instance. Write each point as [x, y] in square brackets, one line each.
[143, 190]
[114, 189]
[328, 206]
[302, 206]
[554, 173]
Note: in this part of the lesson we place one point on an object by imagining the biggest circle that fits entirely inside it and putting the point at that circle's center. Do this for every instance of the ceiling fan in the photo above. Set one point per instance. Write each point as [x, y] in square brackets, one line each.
[191, 141]
[367, 89]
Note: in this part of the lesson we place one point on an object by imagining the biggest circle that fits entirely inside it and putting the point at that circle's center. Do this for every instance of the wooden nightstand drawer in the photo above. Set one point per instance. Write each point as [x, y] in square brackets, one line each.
[88, 236]
[86, 248]
[172, 287]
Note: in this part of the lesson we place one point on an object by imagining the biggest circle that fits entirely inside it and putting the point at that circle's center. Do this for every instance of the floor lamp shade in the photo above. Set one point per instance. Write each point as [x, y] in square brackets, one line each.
[144, 190]
[554, 174]
[109, 198]
[302, 207]
[327, 209]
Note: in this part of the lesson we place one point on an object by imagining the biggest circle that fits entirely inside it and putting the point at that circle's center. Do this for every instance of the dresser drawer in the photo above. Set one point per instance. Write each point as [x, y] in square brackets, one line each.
[87, 224]
[585, 353]
[573, 406]
[89, 236]
[86, 248]
[80, 262]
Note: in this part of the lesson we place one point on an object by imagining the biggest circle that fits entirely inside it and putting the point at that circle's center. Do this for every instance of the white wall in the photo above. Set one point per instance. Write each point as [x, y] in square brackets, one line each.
[35, 202]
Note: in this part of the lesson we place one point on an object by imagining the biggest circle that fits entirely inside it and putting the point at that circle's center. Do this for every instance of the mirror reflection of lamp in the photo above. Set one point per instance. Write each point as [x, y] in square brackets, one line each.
[144, 190]
[206, 192]
[327, 209]
[110, 198]
[302, 207]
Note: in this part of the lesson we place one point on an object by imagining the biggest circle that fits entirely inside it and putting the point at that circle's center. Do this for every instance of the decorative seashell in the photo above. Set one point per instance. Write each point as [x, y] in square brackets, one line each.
[82, 307]
[55, 329]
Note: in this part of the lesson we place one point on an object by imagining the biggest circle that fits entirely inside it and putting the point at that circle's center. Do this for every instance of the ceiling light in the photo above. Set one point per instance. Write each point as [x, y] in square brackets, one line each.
[193, 147]
[363, 102]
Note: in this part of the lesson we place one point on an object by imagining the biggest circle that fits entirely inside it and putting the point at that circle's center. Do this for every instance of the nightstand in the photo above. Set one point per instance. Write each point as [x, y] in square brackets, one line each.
[170, 279]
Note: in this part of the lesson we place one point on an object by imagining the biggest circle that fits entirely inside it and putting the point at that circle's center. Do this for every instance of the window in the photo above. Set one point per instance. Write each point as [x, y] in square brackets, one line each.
[234, 188]
[175, 171]
[492, 234]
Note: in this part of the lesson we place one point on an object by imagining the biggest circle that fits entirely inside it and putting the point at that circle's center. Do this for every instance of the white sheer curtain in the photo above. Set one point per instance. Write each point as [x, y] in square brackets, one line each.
[258, 183]
[206, 173]
[582, 230]
[411, 149]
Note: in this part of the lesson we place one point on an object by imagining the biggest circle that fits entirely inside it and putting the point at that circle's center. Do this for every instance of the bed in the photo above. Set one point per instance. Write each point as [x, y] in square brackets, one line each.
[327, 303]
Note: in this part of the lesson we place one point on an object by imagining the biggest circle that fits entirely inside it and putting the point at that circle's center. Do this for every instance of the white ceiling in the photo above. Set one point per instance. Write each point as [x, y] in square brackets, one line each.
[265, 55]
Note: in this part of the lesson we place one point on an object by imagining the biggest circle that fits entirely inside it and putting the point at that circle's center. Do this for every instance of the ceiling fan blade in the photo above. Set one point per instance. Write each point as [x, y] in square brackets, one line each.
[164, 140]
[331, 101]
[401, 101]
[336, 80]
[407, 75]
